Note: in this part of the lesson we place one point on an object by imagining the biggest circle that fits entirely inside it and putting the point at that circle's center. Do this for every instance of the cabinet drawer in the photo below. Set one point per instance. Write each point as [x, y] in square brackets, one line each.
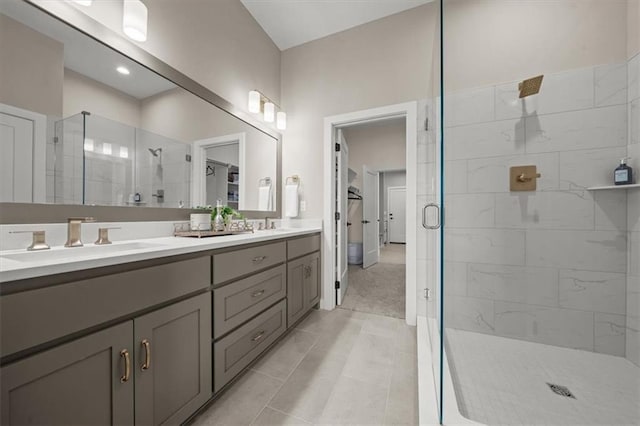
[302, 246]
[38, 316]
[235, 351]
[240, 301]
[234, 264]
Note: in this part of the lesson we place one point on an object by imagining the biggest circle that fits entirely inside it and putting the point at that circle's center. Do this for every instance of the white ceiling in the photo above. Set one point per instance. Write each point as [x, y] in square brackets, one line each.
[290, 23]
[88, 57]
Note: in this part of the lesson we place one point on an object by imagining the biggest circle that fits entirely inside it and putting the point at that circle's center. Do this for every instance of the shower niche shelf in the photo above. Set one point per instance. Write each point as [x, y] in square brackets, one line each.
[601, 188]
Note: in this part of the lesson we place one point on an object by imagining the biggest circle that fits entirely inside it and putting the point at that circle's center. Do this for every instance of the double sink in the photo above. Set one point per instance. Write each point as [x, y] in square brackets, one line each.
[61, 253]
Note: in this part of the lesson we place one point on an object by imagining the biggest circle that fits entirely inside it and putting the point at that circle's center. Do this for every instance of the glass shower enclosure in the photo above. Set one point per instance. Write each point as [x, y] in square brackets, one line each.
[536, 315]
[98, 161]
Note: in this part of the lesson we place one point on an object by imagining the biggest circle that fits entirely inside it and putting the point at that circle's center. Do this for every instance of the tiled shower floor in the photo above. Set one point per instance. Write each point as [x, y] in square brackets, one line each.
[502, 381]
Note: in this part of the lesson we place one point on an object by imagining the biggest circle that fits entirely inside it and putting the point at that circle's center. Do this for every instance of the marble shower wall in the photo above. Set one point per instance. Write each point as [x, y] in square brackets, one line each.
[633, 216]
[548, 266]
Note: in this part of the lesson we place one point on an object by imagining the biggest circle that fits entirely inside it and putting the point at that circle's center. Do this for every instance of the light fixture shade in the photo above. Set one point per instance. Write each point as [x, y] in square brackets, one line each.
[88, 144]
[124, 152]
[254, 101]
[106, 148]
[281, 120]
[269, 112]
[134, 20]
[84, 2]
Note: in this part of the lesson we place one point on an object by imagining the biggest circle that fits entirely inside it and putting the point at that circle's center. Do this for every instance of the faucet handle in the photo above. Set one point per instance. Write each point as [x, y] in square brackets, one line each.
[103, 235]
[38, 242]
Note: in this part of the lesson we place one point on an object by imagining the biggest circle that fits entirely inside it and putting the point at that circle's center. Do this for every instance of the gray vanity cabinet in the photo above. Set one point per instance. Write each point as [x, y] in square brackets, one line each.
[303, 286]
[81, 382]
[172, 361]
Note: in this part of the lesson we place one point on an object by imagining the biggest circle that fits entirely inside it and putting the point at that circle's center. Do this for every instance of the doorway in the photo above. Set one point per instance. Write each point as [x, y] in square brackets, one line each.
[373, 278]
[333, 223]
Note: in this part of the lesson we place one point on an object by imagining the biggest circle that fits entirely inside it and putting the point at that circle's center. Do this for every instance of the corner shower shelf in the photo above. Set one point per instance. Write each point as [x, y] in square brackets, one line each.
[599, 188]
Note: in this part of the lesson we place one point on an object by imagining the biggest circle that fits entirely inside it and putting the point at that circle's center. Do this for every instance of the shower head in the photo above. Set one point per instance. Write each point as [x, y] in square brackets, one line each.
[530, 86]
[155, 152]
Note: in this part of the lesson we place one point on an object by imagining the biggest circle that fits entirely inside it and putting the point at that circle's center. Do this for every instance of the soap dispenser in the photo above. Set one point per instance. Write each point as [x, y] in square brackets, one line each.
[218, 221]
[623, 174]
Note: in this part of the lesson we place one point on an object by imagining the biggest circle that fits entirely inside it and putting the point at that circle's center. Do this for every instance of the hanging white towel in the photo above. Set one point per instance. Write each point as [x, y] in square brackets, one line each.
[264, 198]
[291, 200]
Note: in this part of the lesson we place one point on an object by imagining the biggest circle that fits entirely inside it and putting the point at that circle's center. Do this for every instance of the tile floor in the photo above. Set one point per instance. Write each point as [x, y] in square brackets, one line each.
[502, 381]
[338, 367]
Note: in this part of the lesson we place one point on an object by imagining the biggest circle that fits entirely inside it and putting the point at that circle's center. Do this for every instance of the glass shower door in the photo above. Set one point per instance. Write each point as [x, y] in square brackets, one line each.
[540, 264]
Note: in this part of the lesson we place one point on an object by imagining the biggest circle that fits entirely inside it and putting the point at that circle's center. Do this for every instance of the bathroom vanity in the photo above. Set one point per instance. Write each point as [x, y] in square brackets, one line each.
[150, 334]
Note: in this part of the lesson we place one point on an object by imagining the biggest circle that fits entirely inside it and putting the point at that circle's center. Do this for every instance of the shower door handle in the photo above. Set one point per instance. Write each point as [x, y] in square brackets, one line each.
[424, 216]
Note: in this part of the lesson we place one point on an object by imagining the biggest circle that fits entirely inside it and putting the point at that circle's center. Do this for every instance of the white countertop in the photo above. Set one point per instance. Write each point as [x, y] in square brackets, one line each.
[21, 264]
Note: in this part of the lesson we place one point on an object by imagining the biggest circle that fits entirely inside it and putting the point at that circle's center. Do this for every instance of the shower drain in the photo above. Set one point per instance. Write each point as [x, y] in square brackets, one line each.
[561, 390]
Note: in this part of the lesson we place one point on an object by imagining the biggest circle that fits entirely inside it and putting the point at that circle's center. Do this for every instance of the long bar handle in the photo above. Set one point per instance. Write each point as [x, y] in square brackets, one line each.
[258, 259]
[258, 336]
[424, 216]
[147, 355]
[257, 293]
[127, 366]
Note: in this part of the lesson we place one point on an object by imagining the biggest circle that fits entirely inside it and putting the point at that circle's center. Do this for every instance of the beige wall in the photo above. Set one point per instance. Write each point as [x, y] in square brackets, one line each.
[379, 146]
[84, 94]
[633, 27]
[496, 41]
[31, 69]
[381, 63]
[217, 43]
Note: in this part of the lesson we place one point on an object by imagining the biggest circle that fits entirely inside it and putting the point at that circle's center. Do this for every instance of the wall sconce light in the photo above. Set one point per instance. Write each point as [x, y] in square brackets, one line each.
[269, 112]
[134, 20]
[258, 103]
[281, 120]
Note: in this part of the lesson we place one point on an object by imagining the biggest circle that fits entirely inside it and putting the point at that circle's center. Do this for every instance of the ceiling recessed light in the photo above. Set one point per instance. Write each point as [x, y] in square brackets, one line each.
[123, 70]
[84, 2]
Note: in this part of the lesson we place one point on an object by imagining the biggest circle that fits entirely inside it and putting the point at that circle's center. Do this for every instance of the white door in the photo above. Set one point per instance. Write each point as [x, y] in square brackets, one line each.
[397, 208]
[22, 155]
[16, 153]
[342, 172]
[370, 212]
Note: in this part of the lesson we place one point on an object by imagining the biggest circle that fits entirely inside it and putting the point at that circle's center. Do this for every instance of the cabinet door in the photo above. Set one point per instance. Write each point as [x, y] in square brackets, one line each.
[295, 290]
[173, 361]
[312, 280]
[78, 383]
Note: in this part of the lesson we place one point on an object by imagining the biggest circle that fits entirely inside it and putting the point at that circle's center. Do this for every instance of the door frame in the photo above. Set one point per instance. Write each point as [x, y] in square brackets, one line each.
[408, 110]
[199, 166]
[395, 188]
[39, 163]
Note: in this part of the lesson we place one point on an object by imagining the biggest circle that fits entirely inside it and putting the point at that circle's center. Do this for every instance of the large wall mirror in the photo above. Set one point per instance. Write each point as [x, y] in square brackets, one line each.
[84, 124]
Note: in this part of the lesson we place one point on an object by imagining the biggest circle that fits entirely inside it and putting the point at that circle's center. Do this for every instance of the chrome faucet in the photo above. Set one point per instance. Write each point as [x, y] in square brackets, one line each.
[74, 231]
[266, 223]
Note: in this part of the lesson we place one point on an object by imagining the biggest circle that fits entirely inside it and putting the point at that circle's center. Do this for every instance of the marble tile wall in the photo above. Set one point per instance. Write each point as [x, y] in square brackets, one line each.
[553, 266]
[633, 216]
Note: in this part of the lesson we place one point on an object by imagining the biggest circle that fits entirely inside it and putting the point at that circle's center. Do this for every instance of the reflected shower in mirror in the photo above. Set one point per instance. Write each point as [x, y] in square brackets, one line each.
[91, 126]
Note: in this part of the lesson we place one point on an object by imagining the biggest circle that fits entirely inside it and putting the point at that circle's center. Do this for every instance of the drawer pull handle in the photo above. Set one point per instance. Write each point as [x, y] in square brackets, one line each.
[259, 259]
[258, 336]
[127, 366]
[147, 355]
[257, 293]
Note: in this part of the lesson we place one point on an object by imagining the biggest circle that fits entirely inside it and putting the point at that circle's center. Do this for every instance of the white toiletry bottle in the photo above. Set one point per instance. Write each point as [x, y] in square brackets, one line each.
[218, 222]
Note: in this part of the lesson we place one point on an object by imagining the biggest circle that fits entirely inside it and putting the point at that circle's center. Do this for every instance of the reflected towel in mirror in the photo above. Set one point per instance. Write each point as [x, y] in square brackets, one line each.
[265, 198]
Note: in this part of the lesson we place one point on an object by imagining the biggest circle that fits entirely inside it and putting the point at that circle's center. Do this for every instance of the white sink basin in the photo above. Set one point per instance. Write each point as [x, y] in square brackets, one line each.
[75, 252]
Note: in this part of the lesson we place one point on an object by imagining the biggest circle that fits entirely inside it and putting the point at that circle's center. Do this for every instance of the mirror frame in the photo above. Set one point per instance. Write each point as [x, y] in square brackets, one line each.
[69, 15]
